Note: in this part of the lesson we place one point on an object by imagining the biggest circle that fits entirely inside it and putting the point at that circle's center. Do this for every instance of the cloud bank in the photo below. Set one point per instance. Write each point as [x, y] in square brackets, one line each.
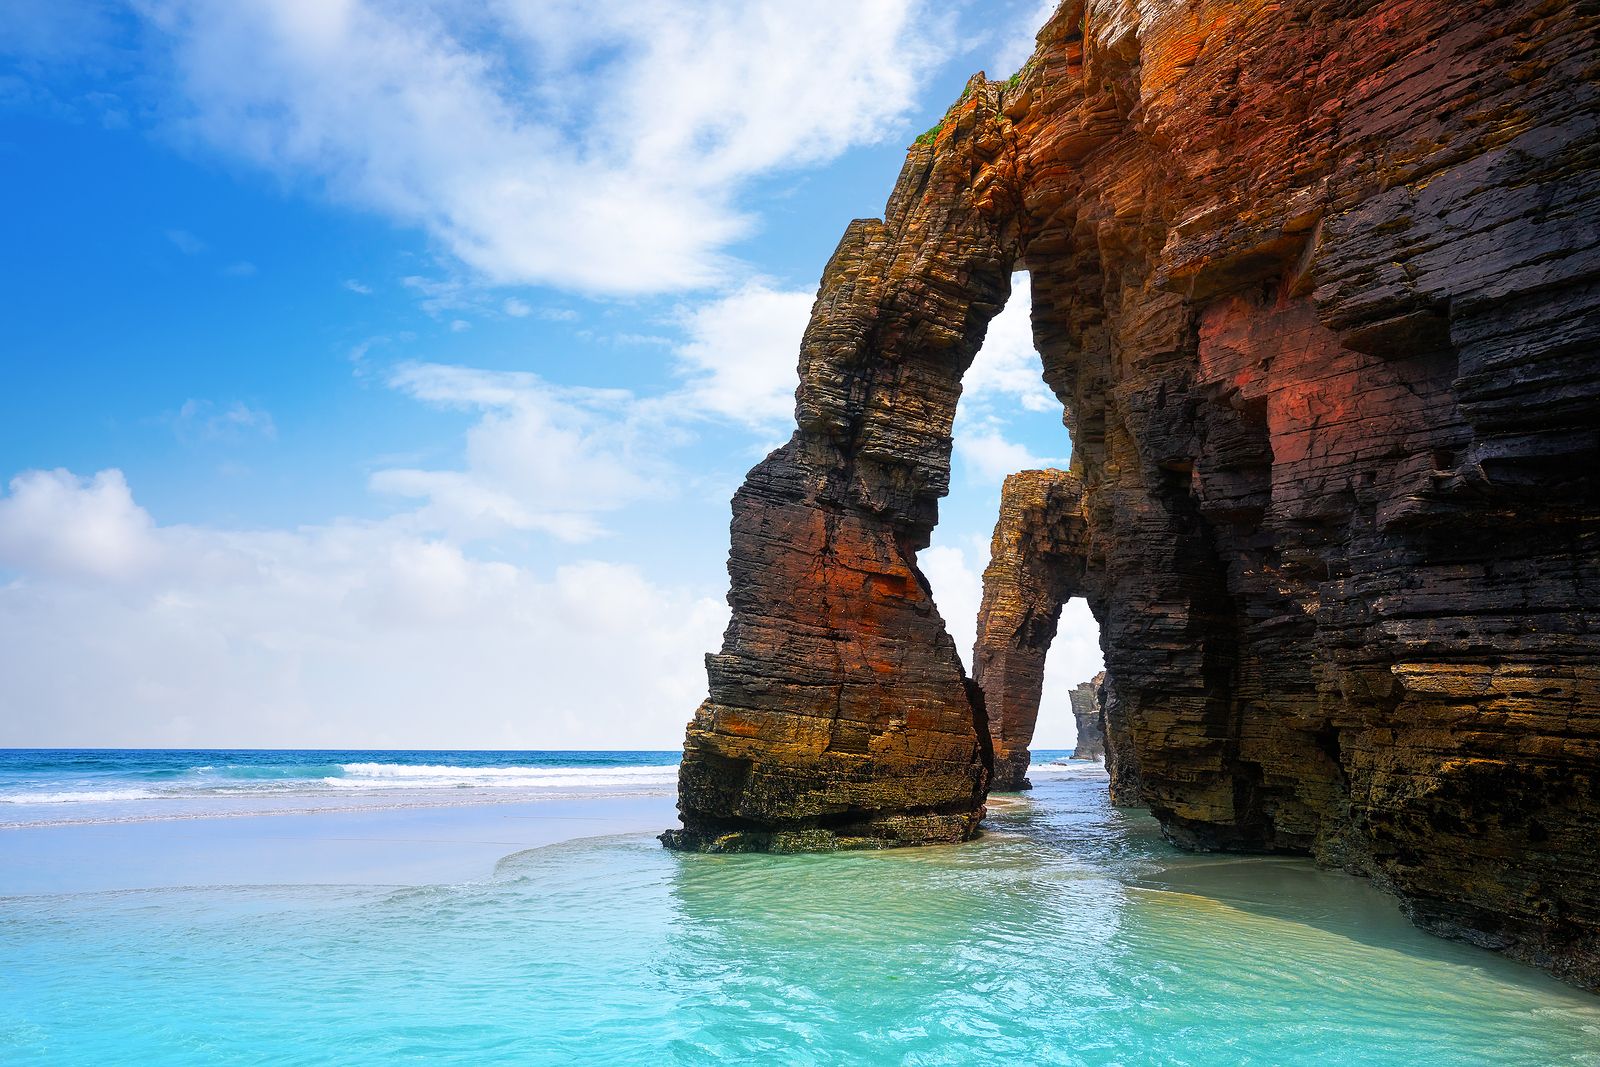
[119, 631]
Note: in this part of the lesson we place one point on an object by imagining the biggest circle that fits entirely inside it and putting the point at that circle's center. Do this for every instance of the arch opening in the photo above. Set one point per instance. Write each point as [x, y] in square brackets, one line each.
[1003, 566]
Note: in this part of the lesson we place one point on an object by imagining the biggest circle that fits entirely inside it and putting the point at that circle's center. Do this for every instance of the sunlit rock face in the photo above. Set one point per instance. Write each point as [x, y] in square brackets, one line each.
[840, 713]
[1036, 563]
[1318, 285]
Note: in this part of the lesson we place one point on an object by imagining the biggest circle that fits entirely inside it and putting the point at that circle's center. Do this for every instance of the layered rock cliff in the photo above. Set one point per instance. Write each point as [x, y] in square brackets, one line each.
[1086, 716]
[840, 713]
[1318, 285]
[1036, 563]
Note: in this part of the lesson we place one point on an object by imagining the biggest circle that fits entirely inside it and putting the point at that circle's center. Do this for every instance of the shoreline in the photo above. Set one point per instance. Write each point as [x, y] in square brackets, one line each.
[414, 845]
[413, 838]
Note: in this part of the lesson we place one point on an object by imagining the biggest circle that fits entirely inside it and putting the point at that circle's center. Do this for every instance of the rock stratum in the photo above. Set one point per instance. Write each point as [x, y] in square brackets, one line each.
[1318, 286]
[1085, 698]
[1036, 564]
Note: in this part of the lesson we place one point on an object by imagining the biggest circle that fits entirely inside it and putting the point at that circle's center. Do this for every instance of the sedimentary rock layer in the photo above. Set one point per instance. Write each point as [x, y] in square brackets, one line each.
[1086, 714]
[1318, 285]
[1036, 563]
[840, 712]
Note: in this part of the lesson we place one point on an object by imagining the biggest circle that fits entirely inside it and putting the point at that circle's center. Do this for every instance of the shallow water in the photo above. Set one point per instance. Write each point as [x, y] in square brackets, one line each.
[1069, 934]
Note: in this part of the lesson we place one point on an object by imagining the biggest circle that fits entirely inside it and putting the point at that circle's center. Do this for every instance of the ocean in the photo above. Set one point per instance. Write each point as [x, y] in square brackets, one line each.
[62, 786]
[473, 908]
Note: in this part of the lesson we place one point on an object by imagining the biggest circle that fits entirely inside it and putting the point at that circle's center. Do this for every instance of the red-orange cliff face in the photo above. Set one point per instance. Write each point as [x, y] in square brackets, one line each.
[1318, 285]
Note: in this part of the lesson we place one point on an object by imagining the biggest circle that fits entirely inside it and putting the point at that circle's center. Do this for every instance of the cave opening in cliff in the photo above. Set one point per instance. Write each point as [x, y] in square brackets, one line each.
[1009, 440]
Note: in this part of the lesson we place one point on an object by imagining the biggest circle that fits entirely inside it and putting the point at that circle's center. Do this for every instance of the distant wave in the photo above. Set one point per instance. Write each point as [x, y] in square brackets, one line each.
[315, 779]
[616, 775]
[78, 796]
[85, 787]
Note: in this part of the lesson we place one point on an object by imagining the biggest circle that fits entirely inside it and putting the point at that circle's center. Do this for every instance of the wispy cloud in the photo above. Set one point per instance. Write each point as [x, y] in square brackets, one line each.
[186, 242]
[991, 456]
[540, 457]
[205, 420]
[741, 354]
[1013, 42]
[593, 147]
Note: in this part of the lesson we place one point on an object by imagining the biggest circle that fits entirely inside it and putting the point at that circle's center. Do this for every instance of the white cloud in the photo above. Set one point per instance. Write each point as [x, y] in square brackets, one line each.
[958, 590]
[118, 630]
[1074, 657]
[517, 309]
[55, 524]
[540, 458]
[594, 147]
[742, 354]
[121, 631]
[991, 457]
[1007, 368]
[357, 287]
[1003, 387]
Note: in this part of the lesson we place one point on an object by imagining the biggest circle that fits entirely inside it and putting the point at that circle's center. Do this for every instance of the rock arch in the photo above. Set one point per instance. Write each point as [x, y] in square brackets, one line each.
[839, 709]
[1036, 564]
[1318, 285]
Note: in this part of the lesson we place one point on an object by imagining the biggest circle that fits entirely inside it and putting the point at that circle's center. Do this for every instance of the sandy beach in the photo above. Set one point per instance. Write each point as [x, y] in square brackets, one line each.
[416, 845]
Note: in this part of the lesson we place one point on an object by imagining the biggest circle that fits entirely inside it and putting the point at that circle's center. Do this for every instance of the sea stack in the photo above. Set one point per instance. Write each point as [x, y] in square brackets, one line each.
[1085, 698]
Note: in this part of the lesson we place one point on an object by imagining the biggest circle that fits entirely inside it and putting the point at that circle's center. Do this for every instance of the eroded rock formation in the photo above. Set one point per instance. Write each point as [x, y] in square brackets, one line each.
[1036, 562]
[1319, 287]
[1086, 714]
[839, 711]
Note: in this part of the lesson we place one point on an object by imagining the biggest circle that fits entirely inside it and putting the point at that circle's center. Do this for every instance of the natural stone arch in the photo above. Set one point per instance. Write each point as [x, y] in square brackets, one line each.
[1315, 283]
[1036, 564]
[839, 709]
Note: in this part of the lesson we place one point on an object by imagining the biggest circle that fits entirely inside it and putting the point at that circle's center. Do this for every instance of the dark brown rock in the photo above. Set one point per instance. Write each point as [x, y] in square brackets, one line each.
[1318, 285]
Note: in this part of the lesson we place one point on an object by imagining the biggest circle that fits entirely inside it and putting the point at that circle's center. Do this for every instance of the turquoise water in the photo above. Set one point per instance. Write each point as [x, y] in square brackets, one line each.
[1069, 934]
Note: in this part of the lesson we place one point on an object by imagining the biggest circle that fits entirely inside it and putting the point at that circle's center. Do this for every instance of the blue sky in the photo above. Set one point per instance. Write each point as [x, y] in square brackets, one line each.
[377, 373]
